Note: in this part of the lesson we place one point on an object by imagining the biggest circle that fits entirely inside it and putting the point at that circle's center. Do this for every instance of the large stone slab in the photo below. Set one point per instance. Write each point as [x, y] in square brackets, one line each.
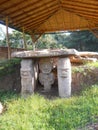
[46, 53]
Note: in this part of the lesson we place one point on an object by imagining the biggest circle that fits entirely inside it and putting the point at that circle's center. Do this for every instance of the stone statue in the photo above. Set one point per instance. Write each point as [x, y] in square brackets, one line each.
[27, 77]
[64, 77]
[46, 77]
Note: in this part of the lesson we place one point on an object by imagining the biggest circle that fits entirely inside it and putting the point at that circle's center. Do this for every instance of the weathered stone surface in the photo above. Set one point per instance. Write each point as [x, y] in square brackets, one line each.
[27, 77]
[46, 78]
[1, 108]
[45, 65]
[45, 53]
[36, 72]
[64, 77]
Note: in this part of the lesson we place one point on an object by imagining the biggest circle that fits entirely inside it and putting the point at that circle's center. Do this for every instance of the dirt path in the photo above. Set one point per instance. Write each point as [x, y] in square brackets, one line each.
[90, 127]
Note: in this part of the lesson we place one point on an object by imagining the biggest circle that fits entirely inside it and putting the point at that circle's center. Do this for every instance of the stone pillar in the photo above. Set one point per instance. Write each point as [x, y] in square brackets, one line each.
[64, 77]
[27, 77]
[36, 71]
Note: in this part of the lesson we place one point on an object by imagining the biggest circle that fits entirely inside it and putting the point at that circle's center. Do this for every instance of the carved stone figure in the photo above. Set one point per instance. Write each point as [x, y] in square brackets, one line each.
[46, 77]
[46, 80]
[27, 77]
[45, 66]
[64, 77]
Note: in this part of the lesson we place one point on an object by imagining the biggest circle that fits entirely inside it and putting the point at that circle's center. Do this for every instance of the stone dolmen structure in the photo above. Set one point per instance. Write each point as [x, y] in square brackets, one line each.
[38, 65]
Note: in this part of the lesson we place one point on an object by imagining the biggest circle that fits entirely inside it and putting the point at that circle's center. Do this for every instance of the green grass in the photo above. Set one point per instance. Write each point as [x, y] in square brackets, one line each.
[92, 64]
[38, 113]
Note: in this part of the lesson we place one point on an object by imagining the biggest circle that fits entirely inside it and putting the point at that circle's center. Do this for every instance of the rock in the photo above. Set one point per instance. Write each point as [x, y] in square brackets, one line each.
[27, 77]
[46, 53]
[1, 108]
[64, 77]
[46, 77]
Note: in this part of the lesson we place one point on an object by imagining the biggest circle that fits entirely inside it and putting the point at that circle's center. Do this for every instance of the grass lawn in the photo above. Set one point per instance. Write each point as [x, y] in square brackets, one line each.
[38, 113]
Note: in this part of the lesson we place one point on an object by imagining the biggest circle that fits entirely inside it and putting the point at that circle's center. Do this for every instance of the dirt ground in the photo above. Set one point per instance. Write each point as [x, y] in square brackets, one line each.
[90, 127]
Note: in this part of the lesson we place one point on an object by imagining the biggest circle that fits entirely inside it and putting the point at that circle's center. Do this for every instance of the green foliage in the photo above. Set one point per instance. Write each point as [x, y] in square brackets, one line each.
[15, 39]
[81, 68]
[48, 41]
[2, 36]
[8, 66]
[80, 40]
[93, 64]
[83, 41]
[77, 69]
[38, 113]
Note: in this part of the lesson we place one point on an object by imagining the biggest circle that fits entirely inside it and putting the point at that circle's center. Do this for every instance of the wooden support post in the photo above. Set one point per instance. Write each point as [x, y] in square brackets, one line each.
[24, 40]
[91, 29]
[7, 39]
[96, 35]
[33, 42]
[35, 38]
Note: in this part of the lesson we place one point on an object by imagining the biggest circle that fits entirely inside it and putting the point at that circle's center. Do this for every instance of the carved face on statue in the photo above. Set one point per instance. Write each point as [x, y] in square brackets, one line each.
[45, 67]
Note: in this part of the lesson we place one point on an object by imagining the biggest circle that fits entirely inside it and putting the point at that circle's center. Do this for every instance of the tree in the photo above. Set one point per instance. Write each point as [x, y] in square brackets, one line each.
[2, 36]
[80, 40]
[15, 39]
[48, 41]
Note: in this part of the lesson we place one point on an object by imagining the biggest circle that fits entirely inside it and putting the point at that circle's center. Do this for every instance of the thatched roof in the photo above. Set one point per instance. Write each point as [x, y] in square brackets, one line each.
[40, 16]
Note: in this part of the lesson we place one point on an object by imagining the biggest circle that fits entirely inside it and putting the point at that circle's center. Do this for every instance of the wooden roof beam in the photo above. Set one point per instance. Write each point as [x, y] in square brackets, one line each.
[47, 18]
[29, 7]
[41, 22]
[66, 29]
[82, 3]
[96, 35]
[35, 38]
[91, 30]
[34, 19]
[80, 11]
[3, 2]
[86, 17]
[18, 5]
[33, 24]
[30, 24]
[87, 10]
[38, 12]
[78, 5]
[91, 3]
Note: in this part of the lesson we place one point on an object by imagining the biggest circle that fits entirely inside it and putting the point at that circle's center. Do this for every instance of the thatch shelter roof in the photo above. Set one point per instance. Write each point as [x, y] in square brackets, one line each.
[42, 16]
